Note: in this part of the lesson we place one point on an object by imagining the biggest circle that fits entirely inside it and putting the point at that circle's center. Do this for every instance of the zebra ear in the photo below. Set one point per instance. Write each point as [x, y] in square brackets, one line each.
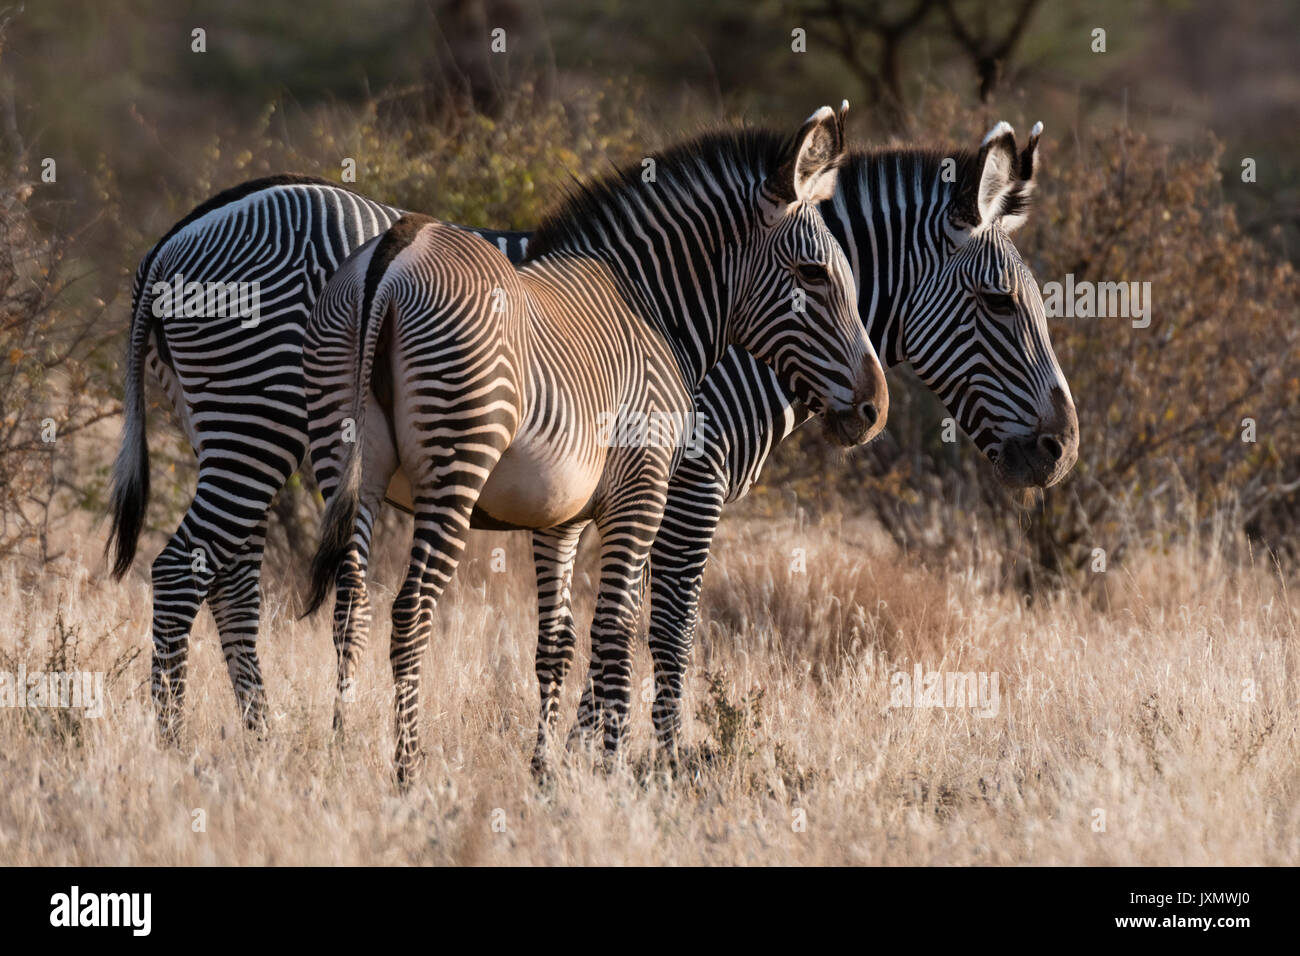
[1006, 178]
[1015, 209]
[812, 161]
[998, 165]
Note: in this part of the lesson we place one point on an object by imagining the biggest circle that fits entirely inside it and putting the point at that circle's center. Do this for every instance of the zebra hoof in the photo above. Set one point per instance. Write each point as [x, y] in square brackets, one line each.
[408, 771]
[543, 773]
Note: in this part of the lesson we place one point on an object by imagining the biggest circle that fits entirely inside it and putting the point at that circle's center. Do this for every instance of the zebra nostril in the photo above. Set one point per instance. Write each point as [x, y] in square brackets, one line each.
[869, 413]
[1050, 445]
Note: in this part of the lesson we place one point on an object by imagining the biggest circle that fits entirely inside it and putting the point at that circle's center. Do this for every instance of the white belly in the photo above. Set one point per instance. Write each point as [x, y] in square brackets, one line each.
[531, 489]
[526, 489]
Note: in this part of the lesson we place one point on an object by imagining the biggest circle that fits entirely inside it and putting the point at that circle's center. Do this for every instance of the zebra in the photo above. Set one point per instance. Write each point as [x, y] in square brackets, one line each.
[488, 379]
[942, 287]
[236, 388]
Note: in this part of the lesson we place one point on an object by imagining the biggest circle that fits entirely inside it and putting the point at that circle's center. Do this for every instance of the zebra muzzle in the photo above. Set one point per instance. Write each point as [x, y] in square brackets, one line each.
[865, 418]
[854, 425]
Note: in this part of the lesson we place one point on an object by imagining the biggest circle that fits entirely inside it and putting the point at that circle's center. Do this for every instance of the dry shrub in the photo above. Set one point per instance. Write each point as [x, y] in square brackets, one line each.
[53, 381]
[816, 593]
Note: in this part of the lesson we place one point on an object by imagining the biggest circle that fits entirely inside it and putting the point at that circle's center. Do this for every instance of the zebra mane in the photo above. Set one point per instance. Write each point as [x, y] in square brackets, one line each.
[615, 204]
[923, 167]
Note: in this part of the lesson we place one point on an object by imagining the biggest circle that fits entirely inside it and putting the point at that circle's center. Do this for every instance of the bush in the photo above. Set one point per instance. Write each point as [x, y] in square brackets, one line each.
[53, 380]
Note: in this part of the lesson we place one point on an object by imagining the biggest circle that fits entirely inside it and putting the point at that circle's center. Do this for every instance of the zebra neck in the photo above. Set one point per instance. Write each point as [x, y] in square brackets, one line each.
[887, 214]
[684, 297]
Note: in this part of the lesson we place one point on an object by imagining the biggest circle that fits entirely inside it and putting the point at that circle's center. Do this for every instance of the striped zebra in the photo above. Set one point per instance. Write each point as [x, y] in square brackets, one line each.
[235, 384]
[942, 287]
[488, 380]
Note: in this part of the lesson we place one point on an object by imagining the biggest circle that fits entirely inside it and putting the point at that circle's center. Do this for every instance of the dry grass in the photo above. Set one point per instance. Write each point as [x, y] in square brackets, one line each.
[1137, 711]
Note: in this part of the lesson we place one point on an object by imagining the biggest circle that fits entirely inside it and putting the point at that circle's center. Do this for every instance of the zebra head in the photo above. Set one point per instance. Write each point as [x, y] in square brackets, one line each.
[977, 329]
[796, 307]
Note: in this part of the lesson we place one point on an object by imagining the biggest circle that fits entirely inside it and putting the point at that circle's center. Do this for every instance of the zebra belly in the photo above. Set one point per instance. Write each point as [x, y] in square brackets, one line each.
[532, 487]
[520, 493]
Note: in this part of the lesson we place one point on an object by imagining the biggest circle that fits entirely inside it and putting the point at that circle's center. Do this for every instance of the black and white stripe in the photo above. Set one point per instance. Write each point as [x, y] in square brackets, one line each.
[940, 286]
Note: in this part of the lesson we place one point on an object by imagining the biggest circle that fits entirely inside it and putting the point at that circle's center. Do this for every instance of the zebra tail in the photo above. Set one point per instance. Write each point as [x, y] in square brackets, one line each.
[130, 494]
[344, 507]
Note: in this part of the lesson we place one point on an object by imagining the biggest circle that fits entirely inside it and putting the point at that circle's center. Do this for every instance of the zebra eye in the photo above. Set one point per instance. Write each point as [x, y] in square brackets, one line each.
[999, 303]
[813, 273]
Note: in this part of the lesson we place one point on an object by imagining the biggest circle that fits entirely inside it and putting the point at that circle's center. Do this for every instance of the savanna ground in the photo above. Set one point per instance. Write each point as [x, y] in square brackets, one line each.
[1161, 707]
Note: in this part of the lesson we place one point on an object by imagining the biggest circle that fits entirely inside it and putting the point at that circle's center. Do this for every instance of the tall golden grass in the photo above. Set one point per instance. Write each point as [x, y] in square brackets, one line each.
[1126, 706]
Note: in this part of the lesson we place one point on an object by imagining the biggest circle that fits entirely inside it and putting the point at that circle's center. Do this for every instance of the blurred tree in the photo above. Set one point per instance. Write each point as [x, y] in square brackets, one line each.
[484, 49]
[874, 38]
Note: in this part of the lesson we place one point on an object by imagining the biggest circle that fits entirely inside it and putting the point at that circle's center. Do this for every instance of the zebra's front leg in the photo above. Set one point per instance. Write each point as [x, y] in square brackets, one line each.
[677, 561]
[235, 597]
[586, 729]
[554, 551]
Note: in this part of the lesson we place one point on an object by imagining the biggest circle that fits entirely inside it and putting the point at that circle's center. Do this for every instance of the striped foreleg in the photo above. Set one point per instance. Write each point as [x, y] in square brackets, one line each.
[677, 561]
[627, 533]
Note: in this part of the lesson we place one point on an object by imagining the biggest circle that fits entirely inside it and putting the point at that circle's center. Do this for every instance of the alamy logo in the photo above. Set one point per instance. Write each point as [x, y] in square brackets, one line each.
[976, 690]
[75, 908]
[82, 690]
[629, 428]
[208, 300]
[1098, 300]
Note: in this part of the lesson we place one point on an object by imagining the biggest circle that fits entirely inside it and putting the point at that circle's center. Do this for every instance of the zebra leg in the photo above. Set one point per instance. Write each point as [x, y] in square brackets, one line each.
[626, 536]
[587, 727]
[228, 509]
[352, 612]
[554, 551]
[677, 561]
[182, 574]
[439, 542]
[235, 597]
[445, 489]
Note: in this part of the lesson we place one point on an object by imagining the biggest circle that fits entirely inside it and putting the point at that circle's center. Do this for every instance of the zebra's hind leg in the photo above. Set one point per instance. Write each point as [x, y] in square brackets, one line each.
[235, 597]
[626, 535]
[182, 574]
[352, 613]
[441, 526]
[554, 551]
[446, 483]
[677, 561]
[228, 509]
